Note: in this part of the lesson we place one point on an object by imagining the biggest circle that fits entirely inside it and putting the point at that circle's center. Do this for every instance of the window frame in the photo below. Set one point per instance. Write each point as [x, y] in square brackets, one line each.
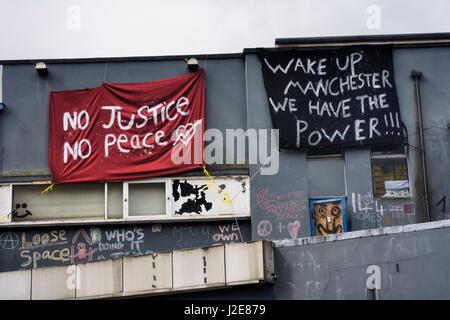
[403, 155]
[126, 198]
[167, 217]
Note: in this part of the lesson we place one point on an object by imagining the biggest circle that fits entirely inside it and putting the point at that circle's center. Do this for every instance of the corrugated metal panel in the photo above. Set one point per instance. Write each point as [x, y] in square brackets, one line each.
[180, 270]
[15, 285]
[101, 278]
[53, 283]
[148, 273]
[204, 267]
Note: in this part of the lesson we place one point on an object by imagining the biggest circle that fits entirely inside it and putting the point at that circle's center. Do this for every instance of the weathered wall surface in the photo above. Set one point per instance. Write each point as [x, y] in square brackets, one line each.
[413, 265]
[433, 63]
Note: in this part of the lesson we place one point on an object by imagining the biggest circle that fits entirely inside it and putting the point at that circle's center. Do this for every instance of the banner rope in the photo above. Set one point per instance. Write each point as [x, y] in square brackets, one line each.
[227, 199]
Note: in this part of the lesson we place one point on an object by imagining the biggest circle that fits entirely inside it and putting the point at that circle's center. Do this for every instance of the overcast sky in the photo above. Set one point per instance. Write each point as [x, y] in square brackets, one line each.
[39, 29]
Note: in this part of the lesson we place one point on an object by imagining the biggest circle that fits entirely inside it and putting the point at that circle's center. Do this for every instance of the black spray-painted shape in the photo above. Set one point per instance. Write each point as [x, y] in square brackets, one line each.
[443, 201]
[190, 205]
[175, 193]
[23, 206]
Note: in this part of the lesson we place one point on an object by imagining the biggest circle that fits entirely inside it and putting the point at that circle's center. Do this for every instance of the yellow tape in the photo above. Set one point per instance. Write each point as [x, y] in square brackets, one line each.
[209, 185]
[49, 188]
[5, 216]
[225, 194]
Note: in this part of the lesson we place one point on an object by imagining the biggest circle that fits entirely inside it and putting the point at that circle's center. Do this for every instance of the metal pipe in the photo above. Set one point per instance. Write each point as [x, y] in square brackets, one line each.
[416, 76]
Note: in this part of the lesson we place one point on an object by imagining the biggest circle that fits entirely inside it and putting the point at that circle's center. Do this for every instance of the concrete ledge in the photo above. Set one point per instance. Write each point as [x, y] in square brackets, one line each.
[362, 234]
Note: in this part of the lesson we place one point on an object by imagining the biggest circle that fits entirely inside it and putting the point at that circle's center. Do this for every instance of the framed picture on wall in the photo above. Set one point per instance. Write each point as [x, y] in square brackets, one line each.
[327, 216]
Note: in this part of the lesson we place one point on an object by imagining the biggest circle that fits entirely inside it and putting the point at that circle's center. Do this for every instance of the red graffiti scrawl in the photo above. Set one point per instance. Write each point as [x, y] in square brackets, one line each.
[286, 206]
[293, 228]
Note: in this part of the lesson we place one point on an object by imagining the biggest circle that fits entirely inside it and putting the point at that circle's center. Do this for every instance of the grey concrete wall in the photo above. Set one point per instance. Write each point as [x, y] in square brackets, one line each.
[434, 63]
[413, 264]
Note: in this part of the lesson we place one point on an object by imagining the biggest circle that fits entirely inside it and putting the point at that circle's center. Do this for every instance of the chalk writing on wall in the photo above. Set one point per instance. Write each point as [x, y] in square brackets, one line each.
[9, 240]
[183, 234]
[39, 247]
[344, 97]
[44, 240]
[383, 212]
[283, 213]
[291, 205]
[227, 232]
[265, 228]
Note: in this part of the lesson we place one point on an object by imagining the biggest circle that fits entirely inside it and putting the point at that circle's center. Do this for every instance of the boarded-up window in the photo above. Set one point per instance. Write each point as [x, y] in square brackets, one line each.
[328, 216]
[390, 173]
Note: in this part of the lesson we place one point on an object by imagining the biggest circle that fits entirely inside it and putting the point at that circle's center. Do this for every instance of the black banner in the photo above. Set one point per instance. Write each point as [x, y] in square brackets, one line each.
[332, 97]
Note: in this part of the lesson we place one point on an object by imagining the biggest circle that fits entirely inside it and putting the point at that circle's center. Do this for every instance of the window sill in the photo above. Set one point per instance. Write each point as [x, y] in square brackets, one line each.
[159, 219]
[394, 198]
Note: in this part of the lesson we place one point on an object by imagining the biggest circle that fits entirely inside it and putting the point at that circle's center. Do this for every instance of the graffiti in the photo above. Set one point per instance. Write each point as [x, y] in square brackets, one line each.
[409, 208]
[191, 205]
[388, 220]
[19, 206]
[33, 257]
[205, 279]
[284, 206]
[96, 235]
[229, 233]
[9, 240]
[395, 208]
[116, 240]
[45, 239]
[34, 248]
[365, 205]
[81, 251]
[183, 232]
[443, 204]
[366, 208]
[154, 269]
[328, 218]
[156, 228]
[264, 228]
[293, 228]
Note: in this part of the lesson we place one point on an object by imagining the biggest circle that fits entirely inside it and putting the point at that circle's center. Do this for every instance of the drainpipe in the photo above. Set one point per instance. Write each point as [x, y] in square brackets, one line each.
[416, 76]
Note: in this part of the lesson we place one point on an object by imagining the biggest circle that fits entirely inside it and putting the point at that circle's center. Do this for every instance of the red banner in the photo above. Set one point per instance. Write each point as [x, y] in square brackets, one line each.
[127, 131]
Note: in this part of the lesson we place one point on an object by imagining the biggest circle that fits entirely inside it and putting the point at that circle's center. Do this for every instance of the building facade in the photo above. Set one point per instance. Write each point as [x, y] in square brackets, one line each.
[400, 190]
